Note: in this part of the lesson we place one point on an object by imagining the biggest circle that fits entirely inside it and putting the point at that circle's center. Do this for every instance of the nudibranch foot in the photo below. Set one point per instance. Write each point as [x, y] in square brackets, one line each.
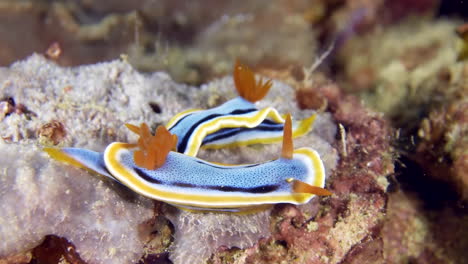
[238, 211]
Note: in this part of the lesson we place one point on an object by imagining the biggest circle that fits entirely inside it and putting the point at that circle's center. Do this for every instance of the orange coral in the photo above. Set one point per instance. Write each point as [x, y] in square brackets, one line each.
[153, 149]
[246, 86]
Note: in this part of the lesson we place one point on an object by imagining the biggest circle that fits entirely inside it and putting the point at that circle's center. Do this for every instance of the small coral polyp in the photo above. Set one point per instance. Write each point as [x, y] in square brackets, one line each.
[151, 169]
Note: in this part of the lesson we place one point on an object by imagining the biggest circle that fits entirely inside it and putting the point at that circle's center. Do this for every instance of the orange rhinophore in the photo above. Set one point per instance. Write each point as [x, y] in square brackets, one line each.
[288, 153]
[153, 149]
[246, 86]
[302, 187]
[288, 147]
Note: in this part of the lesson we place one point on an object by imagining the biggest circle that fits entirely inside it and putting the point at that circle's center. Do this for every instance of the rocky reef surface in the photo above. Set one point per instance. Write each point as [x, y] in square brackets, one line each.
[86, 107]
[392, 127]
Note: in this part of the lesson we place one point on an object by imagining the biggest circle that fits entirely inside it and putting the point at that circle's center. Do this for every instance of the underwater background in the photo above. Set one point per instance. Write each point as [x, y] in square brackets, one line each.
[388, 79]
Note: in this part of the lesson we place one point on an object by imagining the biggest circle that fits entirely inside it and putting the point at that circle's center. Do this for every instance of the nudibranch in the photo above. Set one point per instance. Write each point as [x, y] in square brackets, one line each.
[236, 122]
[152, 169]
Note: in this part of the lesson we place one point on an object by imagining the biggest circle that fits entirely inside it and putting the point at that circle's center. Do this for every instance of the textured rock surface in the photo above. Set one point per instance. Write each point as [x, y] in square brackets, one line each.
[405, 67]
[425, 98]
[86, 107]
[197, 236]
[418, 82]
[101, 94]
[399, 66]
[417, 232]
[41, 197]
[443, 145]
[343, 227]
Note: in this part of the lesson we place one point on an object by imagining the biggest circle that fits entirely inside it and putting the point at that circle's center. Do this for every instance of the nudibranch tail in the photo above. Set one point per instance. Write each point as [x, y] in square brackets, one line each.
[247, 87]
[153, 150]
[302, 187]
[59, 155]
[288, 147]
[81, 158]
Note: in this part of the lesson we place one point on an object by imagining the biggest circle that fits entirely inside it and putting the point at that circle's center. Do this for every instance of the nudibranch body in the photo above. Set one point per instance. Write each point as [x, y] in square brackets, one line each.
[236, 122]
[192, 183]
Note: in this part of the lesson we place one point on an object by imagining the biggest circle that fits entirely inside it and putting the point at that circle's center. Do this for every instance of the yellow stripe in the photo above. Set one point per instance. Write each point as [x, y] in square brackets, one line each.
[220, 123]
[253, 141]
[61, 156]
[316, 163]
[180, 116]
[134, 182]
[303, 128]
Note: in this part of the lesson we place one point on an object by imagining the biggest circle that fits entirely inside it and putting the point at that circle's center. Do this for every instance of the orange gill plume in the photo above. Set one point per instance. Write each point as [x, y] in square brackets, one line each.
[247, 87]
[153, 150]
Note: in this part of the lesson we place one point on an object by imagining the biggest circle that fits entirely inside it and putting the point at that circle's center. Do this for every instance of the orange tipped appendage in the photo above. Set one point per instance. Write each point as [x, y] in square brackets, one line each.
[302, 187]
[288, 146]
[133, 128]
[246, 86]
[153, 150]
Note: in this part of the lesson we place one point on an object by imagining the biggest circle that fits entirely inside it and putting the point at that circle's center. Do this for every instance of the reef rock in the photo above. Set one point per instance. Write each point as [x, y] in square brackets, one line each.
[75, 107]
[86, 106]
[39, 197]
[346, 227]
